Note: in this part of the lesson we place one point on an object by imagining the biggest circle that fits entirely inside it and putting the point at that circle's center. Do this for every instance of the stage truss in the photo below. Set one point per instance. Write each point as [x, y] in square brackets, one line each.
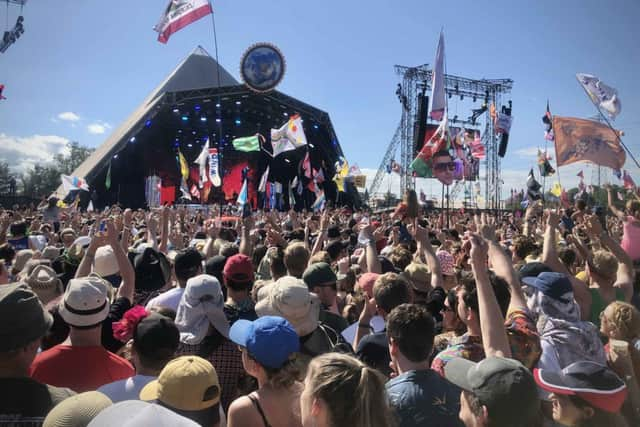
[418, 79]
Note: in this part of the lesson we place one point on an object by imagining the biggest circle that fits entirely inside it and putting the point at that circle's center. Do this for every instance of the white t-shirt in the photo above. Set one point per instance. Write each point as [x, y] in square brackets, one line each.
[169, 299]
[128, 389]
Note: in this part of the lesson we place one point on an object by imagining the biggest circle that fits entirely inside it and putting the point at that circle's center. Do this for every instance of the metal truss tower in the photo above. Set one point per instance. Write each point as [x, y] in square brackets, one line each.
[418, 79]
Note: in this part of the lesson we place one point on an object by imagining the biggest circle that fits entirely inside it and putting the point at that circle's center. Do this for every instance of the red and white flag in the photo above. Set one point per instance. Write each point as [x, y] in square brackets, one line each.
[180, 13]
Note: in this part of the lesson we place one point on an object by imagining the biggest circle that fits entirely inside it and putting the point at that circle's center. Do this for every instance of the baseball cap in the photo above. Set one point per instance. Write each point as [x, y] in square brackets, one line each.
[533, 269]
[23, 319]
[505, 386]
[270, 340]
[594, 383]
[188, 385]
[239, 268]
[134, 413]
[105, 262]
[290, 298]
[156, 333]
[85, 302]
[319, 274]
[77, 410]
[554, 285]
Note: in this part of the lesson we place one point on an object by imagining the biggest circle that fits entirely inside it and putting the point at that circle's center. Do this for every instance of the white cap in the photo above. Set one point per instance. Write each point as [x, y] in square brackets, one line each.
[130, 413]
[105, 262]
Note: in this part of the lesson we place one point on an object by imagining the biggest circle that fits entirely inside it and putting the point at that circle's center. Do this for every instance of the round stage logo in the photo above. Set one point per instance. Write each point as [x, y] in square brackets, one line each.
[262, 67]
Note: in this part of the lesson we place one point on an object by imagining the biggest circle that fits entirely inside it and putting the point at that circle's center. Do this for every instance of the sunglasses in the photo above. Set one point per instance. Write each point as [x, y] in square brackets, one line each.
[445, 166]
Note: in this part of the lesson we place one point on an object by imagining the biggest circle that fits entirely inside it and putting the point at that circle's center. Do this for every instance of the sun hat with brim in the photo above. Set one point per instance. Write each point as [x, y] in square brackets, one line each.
[85, 301]
[23, 319]
[505, 386]
[290, 298]
[270, 340]
[83, 241]
[77, 410]
[187, 383]
[135, 413]
[44, 281]
[553, 285]
[21, 259]
[596, 384]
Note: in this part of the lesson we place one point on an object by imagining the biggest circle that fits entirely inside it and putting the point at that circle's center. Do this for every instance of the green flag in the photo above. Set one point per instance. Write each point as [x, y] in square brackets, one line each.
[107, 180]
[247, 143]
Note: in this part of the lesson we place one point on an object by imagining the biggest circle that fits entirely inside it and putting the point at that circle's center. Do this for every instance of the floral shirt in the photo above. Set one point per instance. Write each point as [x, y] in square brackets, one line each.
[523, 340]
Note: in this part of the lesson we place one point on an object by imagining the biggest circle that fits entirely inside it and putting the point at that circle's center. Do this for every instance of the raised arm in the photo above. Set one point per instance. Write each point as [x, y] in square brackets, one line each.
[127, 273]
[421, 235]
[494, 334]
[550, 258]
[624, 276]
[501, 263]
[164, 229]
[322, 235]
[246, 245]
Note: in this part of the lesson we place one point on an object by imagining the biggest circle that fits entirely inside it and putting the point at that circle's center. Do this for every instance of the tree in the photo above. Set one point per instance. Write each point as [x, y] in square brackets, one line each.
[42, 180]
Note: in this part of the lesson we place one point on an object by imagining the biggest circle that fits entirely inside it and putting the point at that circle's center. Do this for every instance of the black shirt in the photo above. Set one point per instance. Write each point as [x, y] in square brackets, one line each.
[373, 349]
[27, 402]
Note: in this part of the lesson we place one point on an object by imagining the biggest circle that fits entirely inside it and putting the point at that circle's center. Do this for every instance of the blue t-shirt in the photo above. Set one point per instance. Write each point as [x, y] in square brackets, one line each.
[424, 398]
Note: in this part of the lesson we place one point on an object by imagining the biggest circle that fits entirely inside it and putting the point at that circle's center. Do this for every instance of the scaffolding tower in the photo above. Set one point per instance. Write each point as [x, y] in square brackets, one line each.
[416, 80]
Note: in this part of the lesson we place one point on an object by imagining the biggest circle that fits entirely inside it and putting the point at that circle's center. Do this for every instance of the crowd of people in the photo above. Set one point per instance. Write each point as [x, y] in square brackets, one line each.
[184, 317]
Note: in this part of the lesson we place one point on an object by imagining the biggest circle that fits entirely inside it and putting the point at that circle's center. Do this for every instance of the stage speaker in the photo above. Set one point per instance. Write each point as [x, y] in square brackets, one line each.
[421, 123]
[502, 149]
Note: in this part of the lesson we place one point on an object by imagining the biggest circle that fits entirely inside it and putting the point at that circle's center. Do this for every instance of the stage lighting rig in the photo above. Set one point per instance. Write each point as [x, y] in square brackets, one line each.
[12, 35]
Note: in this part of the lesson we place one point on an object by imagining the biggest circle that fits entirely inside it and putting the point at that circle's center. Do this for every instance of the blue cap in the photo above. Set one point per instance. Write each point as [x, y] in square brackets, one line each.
[270, 340]
[554, 285]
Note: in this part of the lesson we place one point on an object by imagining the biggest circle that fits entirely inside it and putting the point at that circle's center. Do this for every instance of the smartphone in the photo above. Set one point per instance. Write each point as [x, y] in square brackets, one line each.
[103, 227]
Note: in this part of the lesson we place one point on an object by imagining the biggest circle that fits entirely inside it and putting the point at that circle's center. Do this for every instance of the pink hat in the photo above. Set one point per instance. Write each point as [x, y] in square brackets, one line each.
[446, 263]
[366, 281]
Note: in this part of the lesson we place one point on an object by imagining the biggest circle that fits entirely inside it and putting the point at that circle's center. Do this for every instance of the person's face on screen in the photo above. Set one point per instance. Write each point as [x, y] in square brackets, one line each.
[443, 169]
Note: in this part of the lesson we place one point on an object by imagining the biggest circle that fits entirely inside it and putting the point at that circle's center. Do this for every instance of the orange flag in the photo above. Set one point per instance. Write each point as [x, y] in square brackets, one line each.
[580, 140]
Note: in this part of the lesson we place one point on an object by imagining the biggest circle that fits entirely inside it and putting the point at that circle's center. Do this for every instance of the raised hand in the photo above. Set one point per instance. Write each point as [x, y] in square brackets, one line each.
[479, 250]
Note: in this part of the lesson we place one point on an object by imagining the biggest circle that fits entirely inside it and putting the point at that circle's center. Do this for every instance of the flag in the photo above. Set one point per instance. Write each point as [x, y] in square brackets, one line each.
[547, 119]
[580, 140]
[214, 176]
[73, 183]
[617, 173]
[184, 189]
[620, 196]
[342, 170]
[604, 97]
[289, 137]
[628, 181]
[201, 160]
[262, 187]
[564, 199]
[581, 187]
[247, 143]
[272, 196]
[318, 176]
[503, 123]
[556, 190]
[355, 170]
[107, 180]
[360, 181]
[319, 202]
[580, 175]
[299, 188]
[395, 167]
[438, 102]
[421, 165]
[184, 166]
[243, 197]
[477, 147]
[90, 206]
[195, 192]
[533, 187]
[292, 196]
[306, 165]
[178, 14]
[1, 90]
[543, 164]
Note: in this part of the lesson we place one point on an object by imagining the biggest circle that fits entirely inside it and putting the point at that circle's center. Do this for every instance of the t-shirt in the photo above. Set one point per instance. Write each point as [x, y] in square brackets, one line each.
[243, 310]
[79, 368]
[169, 299]
[631, 238]
[424, 398]
[335, 322]
[598, 304]
[27, 402]
[373, 349]
[128, 389]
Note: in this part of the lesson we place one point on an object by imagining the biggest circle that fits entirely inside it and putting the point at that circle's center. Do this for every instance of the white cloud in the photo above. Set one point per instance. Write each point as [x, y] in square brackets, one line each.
[98, 128]
[69, 116]
[527, 152]
[21, 153]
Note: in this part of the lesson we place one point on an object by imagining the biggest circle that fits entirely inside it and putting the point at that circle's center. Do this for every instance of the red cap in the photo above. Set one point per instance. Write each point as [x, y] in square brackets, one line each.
[238, 268]
[366, 281]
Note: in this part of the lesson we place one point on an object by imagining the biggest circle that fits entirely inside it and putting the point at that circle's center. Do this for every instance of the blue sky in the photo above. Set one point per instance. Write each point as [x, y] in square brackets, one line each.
[82, 67]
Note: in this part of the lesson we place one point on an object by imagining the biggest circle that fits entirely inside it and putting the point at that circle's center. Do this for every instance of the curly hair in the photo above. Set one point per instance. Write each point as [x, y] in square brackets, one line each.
[626, 320]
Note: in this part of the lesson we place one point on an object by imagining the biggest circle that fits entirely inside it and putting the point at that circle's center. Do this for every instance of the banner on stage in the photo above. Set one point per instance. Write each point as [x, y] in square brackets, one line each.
[178, 14]
[360, 181]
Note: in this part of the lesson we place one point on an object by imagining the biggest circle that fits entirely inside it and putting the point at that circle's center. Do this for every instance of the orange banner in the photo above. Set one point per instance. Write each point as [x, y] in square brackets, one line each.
[580, 140]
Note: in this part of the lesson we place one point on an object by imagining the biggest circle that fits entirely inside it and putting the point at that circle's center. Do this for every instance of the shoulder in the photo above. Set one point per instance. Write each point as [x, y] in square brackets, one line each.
[242, 412]
[120, 362]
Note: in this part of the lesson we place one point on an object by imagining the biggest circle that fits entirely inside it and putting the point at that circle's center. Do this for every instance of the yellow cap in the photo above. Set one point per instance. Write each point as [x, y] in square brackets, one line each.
[187, 383]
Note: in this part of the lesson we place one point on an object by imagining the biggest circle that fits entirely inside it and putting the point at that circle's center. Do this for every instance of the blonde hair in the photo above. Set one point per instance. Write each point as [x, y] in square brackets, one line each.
[605, 263]
[625, 319]
[321, 256]
[353, 392]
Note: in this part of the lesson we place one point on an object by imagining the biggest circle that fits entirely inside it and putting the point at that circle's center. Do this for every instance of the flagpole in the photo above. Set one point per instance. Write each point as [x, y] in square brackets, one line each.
[606, 120]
